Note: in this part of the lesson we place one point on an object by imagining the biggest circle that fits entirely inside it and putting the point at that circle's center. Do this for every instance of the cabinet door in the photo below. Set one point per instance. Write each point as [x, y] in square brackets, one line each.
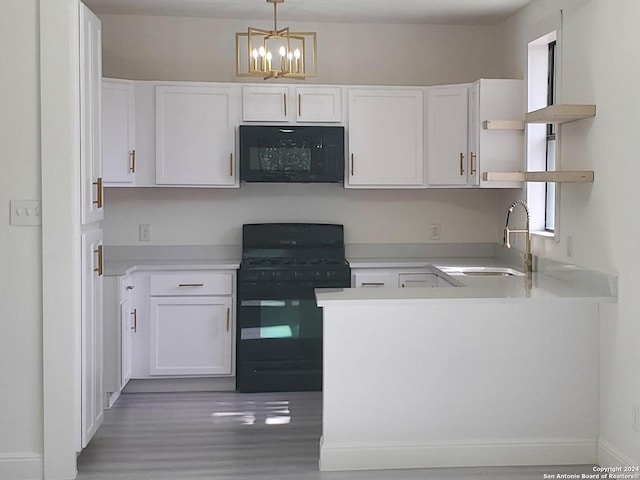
[90, 150]
[385, 138]
[319, 104]
[195, 136]
[118, 133]
[91, 328]
[265, 104]
[448, 130]
[190, 336]
[129, 324]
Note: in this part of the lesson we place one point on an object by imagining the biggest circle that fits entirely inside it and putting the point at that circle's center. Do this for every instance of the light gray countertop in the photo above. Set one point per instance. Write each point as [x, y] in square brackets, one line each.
[551, 282]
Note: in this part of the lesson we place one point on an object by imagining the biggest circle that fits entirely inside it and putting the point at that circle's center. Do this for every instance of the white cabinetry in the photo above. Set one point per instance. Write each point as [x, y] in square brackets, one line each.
[120, 324]
[190, 336]
[286, 104]
[190, 324]
[318, 104]
[474, 128]
[395, 277]
[90, 231]
[195, 140]
[91, 207]
[91, 328]
[385, 138]
[448, 130]
[118, 133]
[265, 104]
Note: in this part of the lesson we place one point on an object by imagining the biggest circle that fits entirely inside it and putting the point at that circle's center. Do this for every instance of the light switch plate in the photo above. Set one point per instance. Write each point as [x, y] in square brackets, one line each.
[26, 212]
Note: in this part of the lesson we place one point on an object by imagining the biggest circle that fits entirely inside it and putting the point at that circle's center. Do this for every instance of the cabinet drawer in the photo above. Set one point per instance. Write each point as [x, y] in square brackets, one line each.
[417, 280]
[191, 283]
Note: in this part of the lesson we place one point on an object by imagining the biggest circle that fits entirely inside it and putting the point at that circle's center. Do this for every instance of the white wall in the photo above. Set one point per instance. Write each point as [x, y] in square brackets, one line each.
[600, 65]
[163, 48]
[203, 49]
[20, 247]
[205, 216]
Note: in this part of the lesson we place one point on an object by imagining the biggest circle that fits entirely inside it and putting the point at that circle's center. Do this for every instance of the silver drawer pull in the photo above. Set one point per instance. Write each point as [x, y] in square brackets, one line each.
[130, 287]
[373, 284]
[191, 285]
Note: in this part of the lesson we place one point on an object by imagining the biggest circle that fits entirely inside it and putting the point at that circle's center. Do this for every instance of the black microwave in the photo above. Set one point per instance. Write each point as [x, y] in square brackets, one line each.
[291, 154]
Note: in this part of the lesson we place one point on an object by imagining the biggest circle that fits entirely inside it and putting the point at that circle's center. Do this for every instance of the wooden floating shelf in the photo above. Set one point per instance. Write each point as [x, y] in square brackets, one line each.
[560, 114]
[556, 177]
[503, 124]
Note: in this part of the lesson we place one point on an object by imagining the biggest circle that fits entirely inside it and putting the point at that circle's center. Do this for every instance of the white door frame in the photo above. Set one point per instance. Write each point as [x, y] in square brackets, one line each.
[60, 155]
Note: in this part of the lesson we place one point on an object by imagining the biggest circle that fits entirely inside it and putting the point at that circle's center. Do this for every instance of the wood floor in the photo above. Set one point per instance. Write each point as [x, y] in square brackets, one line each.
[269, 436]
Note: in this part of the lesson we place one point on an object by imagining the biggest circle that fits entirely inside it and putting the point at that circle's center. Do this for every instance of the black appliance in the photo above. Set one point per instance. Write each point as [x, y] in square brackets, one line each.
[291, 154]
[279, 334]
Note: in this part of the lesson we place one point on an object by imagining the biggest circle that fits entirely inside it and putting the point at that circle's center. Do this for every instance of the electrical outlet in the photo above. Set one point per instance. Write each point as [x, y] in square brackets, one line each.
[144, 232]
[569, 246]
[636, 416]
[434, 231]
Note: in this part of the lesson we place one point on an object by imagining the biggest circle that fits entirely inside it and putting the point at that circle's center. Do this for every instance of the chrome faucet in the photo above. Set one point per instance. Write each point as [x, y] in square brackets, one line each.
[528, 258]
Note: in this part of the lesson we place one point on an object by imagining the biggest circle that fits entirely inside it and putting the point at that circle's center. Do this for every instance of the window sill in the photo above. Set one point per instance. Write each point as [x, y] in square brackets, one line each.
[544, 234]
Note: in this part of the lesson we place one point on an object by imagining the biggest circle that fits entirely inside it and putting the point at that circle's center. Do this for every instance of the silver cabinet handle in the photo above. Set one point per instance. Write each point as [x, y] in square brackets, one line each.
[191, 284]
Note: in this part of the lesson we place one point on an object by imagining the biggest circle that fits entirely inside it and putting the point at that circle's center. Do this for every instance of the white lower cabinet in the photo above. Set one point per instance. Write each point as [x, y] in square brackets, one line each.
[120, 326]
[394, 277]
[190, 336]
[92, 332]
[183, 324]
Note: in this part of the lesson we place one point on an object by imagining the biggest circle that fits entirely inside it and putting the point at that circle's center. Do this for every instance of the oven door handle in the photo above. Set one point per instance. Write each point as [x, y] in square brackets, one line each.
[263, 303]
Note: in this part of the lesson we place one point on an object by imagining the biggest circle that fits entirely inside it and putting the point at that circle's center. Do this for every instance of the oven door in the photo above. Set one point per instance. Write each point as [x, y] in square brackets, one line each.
[279, 338]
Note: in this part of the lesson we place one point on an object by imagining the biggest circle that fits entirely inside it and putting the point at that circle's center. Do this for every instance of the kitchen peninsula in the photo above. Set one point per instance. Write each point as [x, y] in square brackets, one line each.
[497, 372]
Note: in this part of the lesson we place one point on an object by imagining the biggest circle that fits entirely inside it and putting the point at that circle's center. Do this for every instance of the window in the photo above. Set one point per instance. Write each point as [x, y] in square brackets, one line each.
[541, 139]
[550, 188]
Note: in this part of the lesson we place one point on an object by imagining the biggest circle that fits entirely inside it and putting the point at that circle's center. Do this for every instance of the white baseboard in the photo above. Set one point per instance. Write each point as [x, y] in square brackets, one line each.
[199, 384]
[472, 454]
[21, 466]
[111, 399]
[609, 456]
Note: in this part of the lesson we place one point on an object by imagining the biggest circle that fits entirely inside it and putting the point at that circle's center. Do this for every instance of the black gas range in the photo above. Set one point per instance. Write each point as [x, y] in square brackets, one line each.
[279, 334]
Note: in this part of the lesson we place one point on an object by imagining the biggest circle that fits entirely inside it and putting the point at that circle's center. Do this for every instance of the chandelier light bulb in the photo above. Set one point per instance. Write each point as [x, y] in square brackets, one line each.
[255, 58]
[283, 51]
[261, 52]
[296, 53]
[269, 57]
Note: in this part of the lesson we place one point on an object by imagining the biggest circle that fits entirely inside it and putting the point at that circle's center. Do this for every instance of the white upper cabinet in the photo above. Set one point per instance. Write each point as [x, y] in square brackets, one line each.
[448, 132]
[473, 129]
[318, 104]
[118, 133]
[286, 104]
[90, 150]
[385, 138]
[265, 104]
[195, 141]
[498, 103]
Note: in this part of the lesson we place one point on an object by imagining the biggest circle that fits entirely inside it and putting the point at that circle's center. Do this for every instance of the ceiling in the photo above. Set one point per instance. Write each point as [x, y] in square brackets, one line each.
[453, 12]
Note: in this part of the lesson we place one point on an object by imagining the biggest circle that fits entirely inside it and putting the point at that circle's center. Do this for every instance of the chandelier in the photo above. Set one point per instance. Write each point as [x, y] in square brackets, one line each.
[276, 53]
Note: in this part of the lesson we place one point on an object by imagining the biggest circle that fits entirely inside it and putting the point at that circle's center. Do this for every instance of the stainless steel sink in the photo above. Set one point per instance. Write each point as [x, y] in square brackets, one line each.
[483, 271]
